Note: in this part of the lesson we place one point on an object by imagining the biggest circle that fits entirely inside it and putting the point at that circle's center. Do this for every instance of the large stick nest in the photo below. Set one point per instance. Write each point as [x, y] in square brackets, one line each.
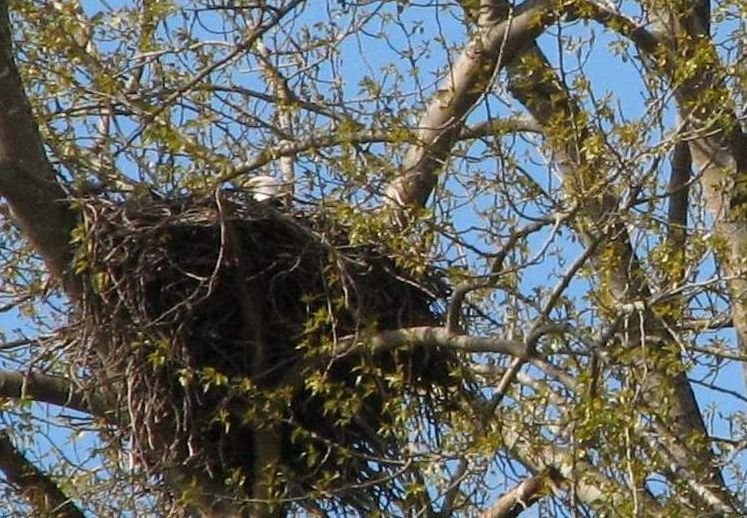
[221, 321]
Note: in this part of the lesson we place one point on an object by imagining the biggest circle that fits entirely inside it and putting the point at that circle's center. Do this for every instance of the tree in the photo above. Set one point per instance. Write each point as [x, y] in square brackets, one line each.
[589, 244]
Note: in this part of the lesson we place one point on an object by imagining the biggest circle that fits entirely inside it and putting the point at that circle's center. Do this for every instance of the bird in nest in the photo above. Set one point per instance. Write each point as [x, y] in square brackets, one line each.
[264, 188]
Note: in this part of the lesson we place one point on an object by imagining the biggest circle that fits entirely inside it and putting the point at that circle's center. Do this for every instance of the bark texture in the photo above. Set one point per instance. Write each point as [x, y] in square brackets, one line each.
[27, 180]
[502, 32]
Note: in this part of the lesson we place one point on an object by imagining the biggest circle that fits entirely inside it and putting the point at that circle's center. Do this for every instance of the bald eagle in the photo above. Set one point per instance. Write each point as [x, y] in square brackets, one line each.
[264, 188]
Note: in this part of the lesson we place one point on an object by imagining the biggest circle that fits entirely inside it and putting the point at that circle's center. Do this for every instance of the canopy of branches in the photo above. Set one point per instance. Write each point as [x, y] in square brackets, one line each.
[503, 268]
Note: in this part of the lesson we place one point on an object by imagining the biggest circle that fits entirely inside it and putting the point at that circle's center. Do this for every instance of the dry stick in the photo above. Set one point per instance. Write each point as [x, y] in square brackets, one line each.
[208, 496]
[42, 493]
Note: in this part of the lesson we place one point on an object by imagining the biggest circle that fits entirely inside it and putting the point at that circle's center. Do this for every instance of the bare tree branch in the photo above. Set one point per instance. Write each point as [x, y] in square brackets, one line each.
[334, 138]
[520, 498]
[42, 492]
[502, 33]
[27, 180]
[535, 84]
[54, 390]
[242, 47]
[437, 337]
[679, 192]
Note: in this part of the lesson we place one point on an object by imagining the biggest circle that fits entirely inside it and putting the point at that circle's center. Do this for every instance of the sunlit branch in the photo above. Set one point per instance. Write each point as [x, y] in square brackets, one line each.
[273, 153]
[706, 324]
[502, 32]
[720, 352]
[714, 498]
[568, 470]
[148, 22]
[537, 330]
[42, 493]
[560, 288]
[497, 127]
[283, 114]
[589, 485]
[436, 337]
[520, 498]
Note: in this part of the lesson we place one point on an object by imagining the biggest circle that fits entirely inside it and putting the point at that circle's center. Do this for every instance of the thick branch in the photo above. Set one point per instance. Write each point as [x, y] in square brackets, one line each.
[42, 493]
[623, 25]
[283, 114]
[589, 485]
[519, 499]
[685, 55]
[54, 390]
[679, 191]
[27, 180]
[535, 84]
[438, 337]
[502, 33]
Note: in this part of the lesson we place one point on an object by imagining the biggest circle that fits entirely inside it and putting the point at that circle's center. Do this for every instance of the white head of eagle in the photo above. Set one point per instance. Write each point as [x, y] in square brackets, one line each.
[263, 187]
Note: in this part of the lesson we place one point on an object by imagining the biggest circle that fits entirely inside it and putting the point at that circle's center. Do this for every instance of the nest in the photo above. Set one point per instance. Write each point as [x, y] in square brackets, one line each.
[222, 322]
